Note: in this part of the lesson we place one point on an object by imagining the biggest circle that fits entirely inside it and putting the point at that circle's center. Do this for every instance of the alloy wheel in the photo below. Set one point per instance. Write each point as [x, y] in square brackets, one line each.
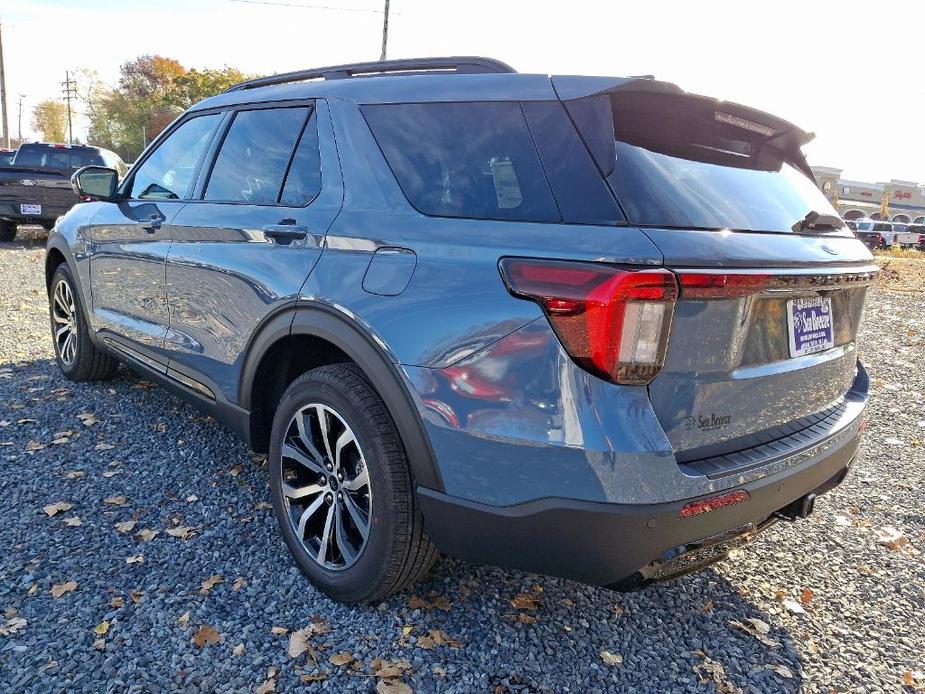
[64, 316]
[326, 486]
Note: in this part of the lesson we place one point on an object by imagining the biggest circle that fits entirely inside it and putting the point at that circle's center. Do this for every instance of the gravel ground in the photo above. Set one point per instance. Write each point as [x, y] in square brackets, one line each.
[843, 612]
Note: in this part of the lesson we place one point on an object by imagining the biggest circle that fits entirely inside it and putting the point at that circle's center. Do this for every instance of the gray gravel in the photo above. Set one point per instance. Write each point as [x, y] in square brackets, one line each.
[861, 630]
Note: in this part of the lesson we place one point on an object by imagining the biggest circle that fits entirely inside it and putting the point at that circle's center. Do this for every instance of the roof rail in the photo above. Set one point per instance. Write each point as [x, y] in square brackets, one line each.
[458, 65]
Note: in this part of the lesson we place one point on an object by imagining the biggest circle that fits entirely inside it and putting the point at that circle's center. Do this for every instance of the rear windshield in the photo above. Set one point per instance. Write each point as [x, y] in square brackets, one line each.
[674, 162]
[51, 157]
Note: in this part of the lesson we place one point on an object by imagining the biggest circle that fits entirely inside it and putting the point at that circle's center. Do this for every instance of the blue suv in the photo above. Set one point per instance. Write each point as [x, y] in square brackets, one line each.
[594, 327]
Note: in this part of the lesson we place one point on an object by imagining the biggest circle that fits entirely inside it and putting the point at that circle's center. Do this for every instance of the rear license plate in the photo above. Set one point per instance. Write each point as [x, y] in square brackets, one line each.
[30, 209]
[810, 324]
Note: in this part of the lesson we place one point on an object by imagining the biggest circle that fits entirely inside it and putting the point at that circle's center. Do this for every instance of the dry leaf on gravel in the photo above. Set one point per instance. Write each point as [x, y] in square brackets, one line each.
[135, 559]
[12, 625]
[146, 534]
[100, 644]
[57, 507]
[88, 419]
[279, 631]
[206, 635]
[389, 668]
[713, 671]
[125, 526]
[782, 671]
[59, 589]
[806, 596]
[757, 628]
[183, 619]
[525, 601]
[341, 658]
[74, 474]
[101, 628]
[611, 658]
[33, 446]
[117, 602]
[210, 583]
[392, 687]
[299, 642]
[136, 596]
[319, 676]
[888, 537]
[183, 532]
[104, 446]
[437, 637]
[118, 500]
[238, 650]
[72, 522]
[239, 583]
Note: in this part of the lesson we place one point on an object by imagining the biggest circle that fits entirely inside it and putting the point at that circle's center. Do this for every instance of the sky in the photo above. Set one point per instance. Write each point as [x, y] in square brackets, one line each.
[840, 69]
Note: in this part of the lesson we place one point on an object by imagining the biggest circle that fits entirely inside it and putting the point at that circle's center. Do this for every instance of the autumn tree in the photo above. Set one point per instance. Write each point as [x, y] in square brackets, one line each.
[50, 118]
[197, 85]
[885, 207]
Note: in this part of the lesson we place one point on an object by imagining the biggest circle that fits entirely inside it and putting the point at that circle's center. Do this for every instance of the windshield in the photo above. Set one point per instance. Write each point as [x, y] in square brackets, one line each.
[51, 157]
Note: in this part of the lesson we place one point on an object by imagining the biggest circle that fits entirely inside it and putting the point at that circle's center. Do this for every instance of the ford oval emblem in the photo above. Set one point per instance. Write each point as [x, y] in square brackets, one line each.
[28, 181]
[828, 249]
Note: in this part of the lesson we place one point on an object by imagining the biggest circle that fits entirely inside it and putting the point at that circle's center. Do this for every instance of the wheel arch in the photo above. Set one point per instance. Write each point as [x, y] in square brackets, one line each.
[331, 337]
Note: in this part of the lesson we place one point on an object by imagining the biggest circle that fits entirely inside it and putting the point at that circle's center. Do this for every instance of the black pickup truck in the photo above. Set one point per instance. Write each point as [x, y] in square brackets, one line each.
[36, 187]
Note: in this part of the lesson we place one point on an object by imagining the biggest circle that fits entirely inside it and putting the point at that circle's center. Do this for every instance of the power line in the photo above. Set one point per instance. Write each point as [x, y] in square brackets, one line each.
[277, 3]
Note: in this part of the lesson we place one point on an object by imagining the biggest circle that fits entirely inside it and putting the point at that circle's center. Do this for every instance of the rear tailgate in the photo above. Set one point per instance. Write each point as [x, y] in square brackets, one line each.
[35, 193]
[736, 372]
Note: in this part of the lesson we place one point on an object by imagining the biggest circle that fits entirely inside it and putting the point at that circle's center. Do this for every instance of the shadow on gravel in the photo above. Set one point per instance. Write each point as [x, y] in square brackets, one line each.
[175, 468]
[27, 238]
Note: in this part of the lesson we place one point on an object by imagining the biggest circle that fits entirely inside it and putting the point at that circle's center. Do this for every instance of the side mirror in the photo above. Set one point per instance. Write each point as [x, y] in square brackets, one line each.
[95, 183]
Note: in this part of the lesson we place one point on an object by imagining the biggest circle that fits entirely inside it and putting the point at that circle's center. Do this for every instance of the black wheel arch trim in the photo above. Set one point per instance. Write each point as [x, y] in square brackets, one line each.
[320, 320]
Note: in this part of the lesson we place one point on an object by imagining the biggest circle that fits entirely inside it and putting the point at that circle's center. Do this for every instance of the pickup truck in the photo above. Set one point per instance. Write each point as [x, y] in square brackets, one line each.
[909, 236]
[36, 187]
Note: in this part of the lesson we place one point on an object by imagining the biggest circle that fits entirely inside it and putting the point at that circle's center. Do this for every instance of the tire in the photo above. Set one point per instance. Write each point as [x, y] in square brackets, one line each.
[7, 231]
[396, 551]
[77, 357]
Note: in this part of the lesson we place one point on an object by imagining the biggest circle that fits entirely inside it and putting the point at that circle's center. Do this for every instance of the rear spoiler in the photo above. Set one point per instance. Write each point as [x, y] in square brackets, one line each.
[771, 130]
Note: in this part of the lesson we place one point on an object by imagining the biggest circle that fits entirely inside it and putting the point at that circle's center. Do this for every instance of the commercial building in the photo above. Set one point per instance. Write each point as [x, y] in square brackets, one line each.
[905, 200]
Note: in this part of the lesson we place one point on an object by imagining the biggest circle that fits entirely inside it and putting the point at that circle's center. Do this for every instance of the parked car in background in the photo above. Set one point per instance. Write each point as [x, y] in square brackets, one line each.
[875, 234]
[501, 315]
[36, 187]
[6, 156]
[907, 235]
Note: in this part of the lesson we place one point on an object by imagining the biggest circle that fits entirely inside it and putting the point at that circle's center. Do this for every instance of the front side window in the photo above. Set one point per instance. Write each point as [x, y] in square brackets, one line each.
[255, 154]
[168, 172]
[474, 160]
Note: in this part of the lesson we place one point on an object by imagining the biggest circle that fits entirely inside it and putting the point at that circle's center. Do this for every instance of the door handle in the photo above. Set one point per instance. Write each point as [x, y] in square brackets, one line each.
[152, 224]
[285, 232]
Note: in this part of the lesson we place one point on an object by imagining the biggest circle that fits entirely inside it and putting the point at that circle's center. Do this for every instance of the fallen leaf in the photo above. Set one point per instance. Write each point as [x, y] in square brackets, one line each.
[806, 596]
[299, 642]
[781, 670]
[611, 658]
[110, 473]
[416, 603]
[12, 625]
[437, 637]
[888, 537]
[523, 618]
[33, 446]
[441, 603]
[342, 658]
[707, 606]
[87, 419]
[394, 686]
[183, 532]
[210, 583]
[59, 589]
[389, 668]
[239, 583]
[183, 619]
[319, 676]
[74, 474]
[267, 687]
[104, 446]
[73, 521]
[101, 629]
[146, 534]
[525, 601]
[125, 526]
[279, 631]
[57, 507]
[135, 559]
[115, 500]
[136, 596]
[713, 671]
[100, 644]
[238, 650]
[117, 602]
[757, 628]
[206, 635]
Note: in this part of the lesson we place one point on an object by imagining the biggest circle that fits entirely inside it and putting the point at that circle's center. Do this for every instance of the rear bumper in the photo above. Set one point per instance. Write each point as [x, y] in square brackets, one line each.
[9, 212]
[606, 544]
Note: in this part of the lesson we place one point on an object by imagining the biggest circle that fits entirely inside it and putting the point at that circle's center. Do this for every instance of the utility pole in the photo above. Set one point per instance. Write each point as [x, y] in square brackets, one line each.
[6, 130]
[19, 129]
[385, 30]
[70, 92]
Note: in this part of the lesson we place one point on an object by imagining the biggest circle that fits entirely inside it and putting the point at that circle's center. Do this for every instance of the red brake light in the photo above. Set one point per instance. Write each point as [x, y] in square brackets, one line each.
[696, 285]
[714, 503]
[613, 322]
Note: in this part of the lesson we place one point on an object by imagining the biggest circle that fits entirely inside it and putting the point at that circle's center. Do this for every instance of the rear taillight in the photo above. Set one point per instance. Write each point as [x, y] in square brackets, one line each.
[714, 503]
[613, 322]
[696, 285]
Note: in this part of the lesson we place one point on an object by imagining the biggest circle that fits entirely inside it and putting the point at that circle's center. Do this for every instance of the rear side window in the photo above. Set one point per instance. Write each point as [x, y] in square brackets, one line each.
[255, 154]
[62, 158]
[474, 160]
[303, 182]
